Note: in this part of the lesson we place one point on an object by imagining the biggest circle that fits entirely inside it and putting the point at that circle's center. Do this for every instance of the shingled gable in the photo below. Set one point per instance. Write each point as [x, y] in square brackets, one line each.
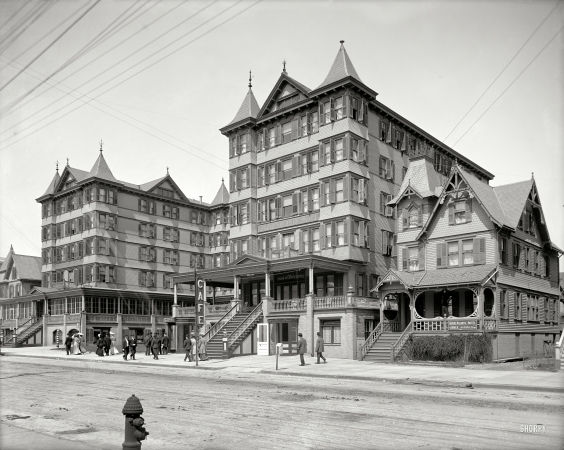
[52, 186]
[70, 173]
[342, 68]
[421, 179]
[222, 196]
[248, 259]
[483, 193]
[249, 108]
[153, 185]
[277, 92]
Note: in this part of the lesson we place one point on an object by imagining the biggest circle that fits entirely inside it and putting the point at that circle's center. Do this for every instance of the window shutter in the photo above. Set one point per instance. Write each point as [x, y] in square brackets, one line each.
[346, 187]
[333, 115]
[346, 146]
[389, 134]
[278, 134]
[233, 214]
[308, 162]
[365, 114]
[295, 125]
[310, 201]
[394, 245]
[308, 123]
[479, 250]
[392, 174]
[231, 183]
[420, 217]
[322, 193]
[300, 202]
[295, 165]
[321, 158]
[365, 145]
[422, 257]
[360, 190]
[248, 176]
[404, 218]
[367, 235]
[278, 204]
[441, 255]
[361, 112]
[321, 236]
[403, 141]
[301, 241]
[361, 233]
[346, 231]
[333, 234]
[384, 242]
[279, 175]
[238, 144]
[404, 260]
[361, 152]
[332, 151]
[332, 195]
[468, 207]
[295, 203]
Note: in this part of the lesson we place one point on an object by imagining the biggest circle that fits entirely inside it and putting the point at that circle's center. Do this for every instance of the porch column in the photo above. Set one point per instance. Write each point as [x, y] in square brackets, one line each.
[175, 304]
[401, 312]
[45, 334]
[310, 322]
[119, 332]
[311, 285]
[481, 308]
[153, 318]
[267, 284]
[83, 303]
[65, 323]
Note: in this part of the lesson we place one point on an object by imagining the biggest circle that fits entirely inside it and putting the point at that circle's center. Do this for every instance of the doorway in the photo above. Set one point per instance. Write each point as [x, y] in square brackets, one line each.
[284, 332]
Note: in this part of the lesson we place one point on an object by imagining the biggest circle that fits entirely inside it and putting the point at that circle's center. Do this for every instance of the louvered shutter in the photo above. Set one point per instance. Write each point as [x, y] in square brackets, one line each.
[404, 259]
[321, 235]
[384, 242]
[238, 144]
[346, 231]
[321, 158]
[295, 203]
[468, 208]
[394, 245]
[367, 235]
[322, 193]
[451, 213]
[360, 190]
[392, 174]
[346, 104]
[403, 141]
[361, 152]
[405, 218]
[248, 177]
[421, 257]
[389, 134]
[308, 162]
[361, 112]
[301, 241]
[332, 156]
[366, 152]
[361, 233]
[278, 204]
[365, 114]
[332, 194]
[295, 128]
[346, 146]
[442, 255]
[346, 187]
[420, 217]
[310, 200]
[295, 165]
[300, 202]
[333, 234]
[231, 182]
[279, 174]
[332, 104]
[308, 123]
[278, 134]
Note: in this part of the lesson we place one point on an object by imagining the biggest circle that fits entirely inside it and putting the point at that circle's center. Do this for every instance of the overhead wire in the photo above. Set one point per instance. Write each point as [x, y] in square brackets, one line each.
[51, 44]
[506, 66]
[140, 62]
[97, 58]
[22, 21]
[145, 124]
[47, 6]
[16, 229]
[69, 61]
[15, 13]
[511, 84]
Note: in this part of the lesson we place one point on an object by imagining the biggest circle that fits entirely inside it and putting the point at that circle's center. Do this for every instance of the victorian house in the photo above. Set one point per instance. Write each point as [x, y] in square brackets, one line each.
[472, 258]
[310, 229]
[109, 251]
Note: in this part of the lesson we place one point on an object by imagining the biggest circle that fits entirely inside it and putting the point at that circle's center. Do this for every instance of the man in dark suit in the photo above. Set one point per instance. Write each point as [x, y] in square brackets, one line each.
[302, 348]
[68, 344]
[320, 348]
[125, 347]
[132, 346]
[147, 342]
[156, 344]
[108, 342]
[165, 342]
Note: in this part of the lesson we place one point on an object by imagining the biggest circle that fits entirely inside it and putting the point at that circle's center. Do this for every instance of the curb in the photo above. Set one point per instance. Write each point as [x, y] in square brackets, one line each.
[410, 381]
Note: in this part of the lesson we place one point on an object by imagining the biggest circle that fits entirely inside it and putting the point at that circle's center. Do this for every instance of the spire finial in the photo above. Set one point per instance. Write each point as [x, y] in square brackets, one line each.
[67, 161]
[342, 42]
[101, 144]
[250, 77]
[57, 166]
[222, 180]
[167, 170]
[284, 67]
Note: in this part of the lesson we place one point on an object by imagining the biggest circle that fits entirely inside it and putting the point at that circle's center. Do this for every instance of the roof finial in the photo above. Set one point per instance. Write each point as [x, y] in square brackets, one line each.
[342, 42]
[67, 161]
[101, 143]
[222, 180]
[167, 170]
[57, 166]
[284, 67]
[250, 78]
[532, 175]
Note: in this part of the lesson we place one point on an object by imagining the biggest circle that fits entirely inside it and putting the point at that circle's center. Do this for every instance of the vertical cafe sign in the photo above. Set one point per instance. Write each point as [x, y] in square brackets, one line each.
[200, 300]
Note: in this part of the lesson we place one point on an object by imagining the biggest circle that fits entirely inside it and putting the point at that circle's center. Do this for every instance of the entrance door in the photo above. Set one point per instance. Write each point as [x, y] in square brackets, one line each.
[285, 333]
[262, 339]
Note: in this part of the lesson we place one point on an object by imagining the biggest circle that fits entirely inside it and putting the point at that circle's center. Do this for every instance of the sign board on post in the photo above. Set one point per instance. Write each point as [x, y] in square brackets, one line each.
[200, 310]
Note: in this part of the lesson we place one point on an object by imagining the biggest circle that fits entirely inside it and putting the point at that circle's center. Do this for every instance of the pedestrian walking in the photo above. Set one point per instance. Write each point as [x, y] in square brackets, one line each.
[202, 349]
[100, 347]
[165, 342]
[194, 349]
[156, 343]
[132, 346]
[113, 349]
[302, 348]
[188, 348]
[320, 348]
[75, 347]
[80, 339]
[108, 341]
[68, 344]
[125, 347]
[147, 342]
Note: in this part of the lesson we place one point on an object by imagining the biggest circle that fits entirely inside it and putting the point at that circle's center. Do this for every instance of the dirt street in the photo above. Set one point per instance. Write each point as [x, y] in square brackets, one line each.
[243, 409]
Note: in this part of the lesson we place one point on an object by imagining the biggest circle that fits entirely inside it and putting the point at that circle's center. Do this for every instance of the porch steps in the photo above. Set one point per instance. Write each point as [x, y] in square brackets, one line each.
[214, 348]
[26, 333]
[381, 350]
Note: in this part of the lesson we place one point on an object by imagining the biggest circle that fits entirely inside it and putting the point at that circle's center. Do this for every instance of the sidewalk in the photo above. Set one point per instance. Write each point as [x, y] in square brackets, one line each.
[335, 368]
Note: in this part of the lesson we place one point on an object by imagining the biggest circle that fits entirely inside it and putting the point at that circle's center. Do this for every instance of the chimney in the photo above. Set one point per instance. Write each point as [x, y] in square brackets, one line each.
[201, 200]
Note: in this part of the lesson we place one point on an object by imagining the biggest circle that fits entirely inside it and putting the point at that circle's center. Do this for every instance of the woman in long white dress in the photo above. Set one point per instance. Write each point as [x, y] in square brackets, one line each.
[75, 349]
[113, 349]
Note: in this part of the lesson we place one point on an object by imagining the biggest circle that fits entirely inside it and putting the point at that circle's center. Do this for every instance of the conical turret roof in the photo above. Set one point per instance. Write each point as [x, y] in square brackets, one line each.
[53, 185]
[222, 196]
[249, 108]
[101, 170]
[342, 67]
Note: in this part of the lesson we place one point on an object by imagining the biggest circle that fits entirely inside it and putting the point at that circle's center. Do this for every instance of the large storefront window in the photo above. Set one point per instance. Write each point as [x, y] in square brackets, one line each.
[136, 306]
[329, 285]
[102, 305]
[163, 308]
[331, 330]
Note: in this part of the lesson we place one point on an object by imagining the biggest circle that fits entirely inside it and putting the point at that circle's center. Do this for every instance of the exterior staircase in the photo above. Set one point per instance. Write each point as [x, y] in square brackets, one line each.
[237, 329]
[381, 350]
[24, 332]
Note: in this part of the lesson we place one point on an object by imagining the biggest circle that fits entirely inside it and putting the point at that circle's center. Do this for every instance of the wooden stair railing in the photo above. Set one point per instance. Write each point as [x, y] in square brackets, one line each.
[369, 342]
[218, 326]
[398, 346]
[243, 327]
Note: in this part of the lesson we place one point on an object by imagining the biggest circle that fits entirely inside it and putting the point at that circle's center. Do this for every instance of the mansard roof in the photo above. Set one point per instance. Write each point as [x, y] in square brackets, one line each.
[421, 178]
[222, 196]
[249, 108]
[101, 170]
[342, 68]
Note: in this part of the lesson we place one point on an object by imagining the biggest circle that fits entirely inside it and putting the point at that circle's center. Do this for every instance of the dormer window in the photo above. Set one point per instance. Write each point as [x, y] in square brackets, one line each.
[339, 108]
[165, 192]
[460, 212]
[288, 101]
[414, 217]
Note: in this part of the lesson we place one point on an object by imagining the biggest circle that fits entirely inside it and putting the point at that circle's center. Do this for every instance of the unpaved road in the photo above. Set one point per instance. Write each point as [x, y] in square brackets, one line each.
[236, 409]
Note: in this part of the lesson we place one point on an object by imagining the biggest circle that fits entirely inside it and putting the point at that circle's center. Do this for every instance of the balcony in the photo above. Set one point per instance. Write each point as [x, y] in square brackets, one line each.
[329, 302]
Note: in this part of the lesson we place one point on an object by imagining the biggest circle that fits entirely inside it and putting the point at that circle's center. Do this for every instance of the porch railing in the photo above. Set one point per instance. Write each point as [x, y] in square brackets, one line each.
[216, 327]
[135, 319]
[398, 346]
[102, 318]
[330, 302]
[21, 328]
[391, 326]
[185, 311]
[58, 318]
[455, 324]
[244, 325]
[369, 342]
[289, 305]
[218, 309]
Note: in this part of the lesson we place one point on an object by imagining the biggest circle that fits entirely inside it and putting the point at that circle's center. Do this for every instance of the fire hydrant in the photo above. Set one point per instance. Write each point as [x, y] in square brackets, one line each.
[134, 430]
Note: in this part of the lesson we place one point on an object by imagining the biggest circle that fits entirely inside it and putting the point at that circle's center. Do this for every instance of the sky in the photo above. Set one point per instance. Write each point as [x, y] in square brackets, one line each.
[157, 79]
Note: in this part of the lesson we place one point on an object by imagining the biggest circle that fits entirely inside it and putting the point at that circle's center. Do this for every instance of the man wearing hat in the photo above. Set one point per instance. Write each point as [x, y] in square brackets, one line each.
[156, 344]
[302, 348]
[147, 342]
[320, 348]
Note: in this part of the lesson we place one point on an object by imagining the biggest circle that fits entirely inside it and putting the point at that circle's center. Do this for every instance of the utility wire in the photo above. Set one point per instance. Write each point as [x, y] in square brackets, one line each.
[506, 66]
[47, 6]
[15, 13]
[19, 55]
[73, 58]
[51, 44]
[142, 129]
[511, 84]
[22, 21]
[17, 230]
[105, 53]
[98, 57]
[140, 62]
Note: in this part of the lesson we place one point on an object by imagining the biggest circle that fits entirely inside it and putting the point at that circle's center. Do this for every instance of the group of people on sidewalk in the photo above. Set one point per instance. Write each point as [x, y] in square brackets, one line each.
[191, 347]
[319, 348]
[105, 346]
[156, 345]
[73, 344]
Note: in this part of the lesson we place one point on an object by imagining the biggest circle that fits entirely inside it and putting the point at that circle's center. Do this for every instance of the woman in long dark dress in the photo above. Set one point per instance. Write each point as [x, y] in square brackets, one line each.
[101, 344]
